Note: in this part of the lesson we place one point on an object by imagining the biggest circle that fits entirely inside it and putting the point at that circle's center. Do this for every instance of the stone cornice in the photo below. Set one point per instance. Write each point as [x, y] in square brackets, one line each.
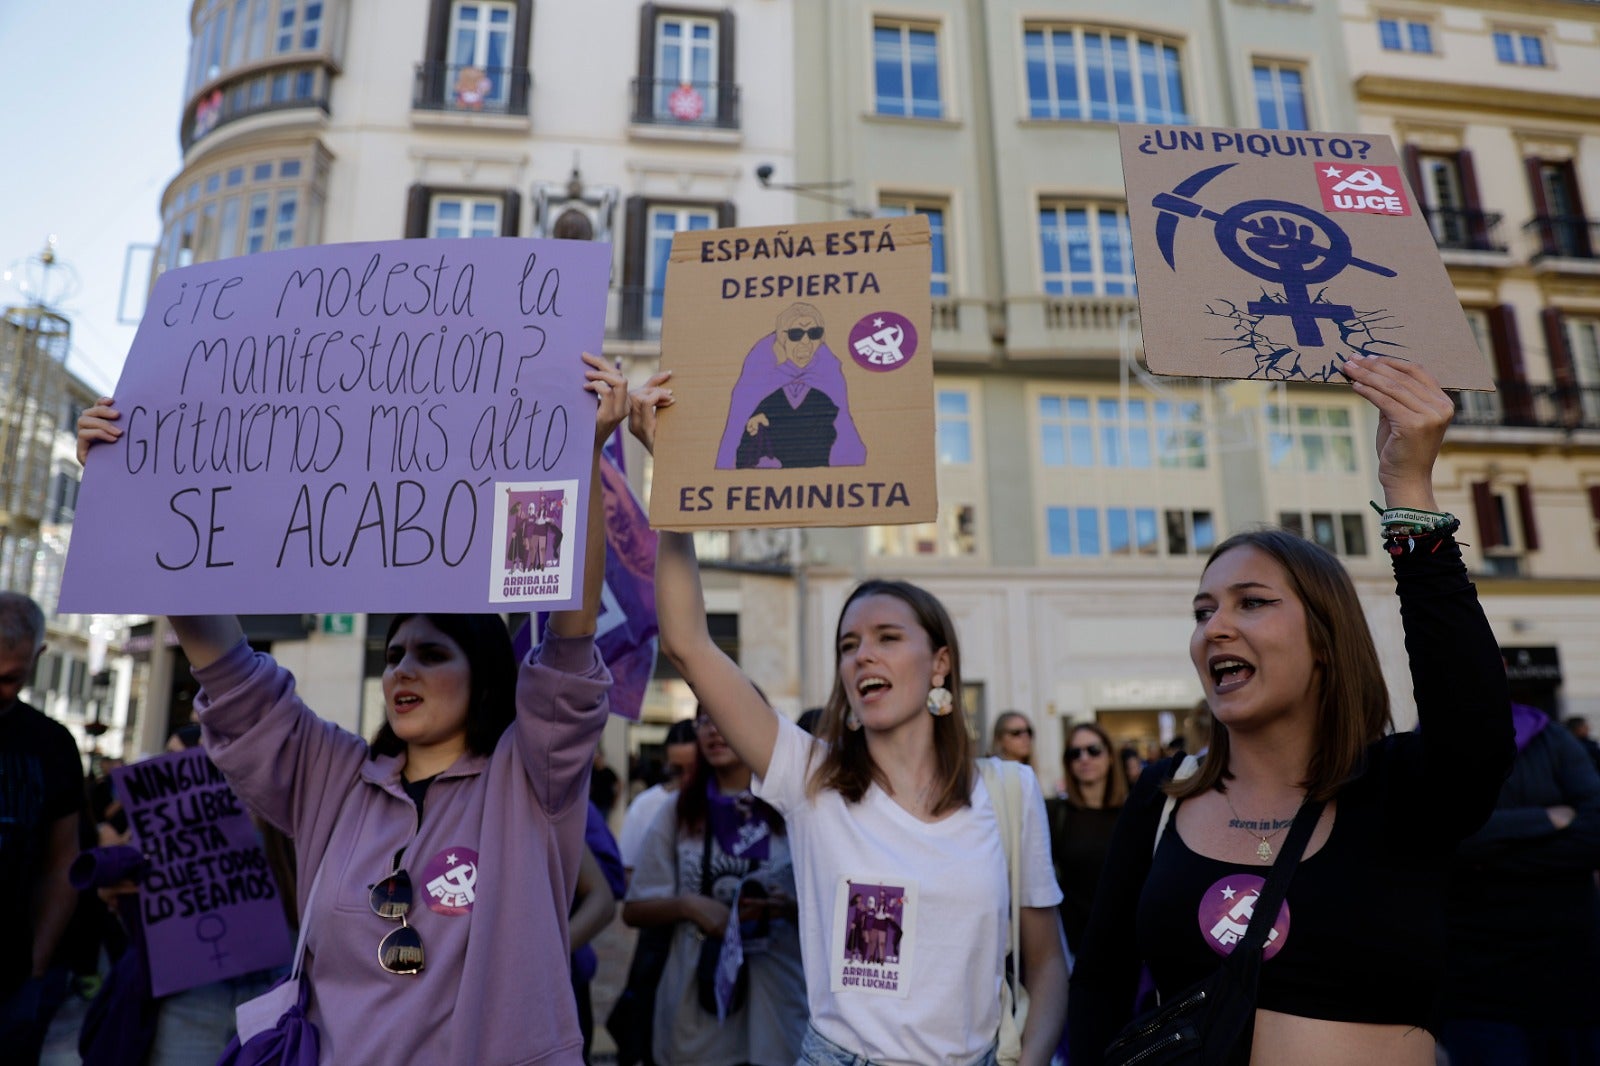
[1375, 87]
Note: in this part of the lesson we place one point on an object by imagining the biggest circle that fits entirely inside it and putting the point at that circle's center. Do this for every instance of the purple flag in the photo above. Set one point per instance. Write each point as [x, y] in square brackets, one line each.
[626, 632]
[208, 902]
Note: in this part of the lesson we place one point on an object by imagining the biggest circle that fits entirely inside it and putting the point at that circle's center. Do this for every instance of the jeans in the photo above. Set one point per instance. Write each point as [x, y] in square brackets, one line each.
[818, 1050]
[195, 1025]
[1473, 1043]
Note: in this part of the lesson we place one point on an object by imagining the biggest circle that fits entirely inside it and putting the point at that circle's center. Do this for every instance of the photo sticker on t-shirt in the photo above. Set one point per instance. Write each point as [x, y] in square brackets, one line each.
[1225, 912]
[874, 932]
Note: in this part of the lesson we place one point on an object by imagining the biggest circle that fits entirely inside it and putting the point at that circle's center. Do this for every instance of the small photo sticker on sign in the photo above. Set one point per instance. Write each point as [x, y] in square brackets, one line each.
[1372, 190]
[533, 558]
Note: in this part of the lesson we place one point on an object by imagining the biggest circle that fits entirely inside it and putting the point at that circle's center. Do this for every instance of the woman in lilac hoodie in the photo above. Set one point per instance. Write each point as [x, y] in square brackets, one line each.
[475, 792]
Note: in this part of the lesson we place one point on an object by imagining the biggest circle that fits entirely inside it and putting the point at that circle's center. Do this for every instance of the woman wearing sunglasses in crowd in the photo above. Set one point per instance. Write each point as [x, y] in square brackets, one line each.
[1013, 738]
[885, 804]
[1300, 712]
[1081, 823]
[717, 820]
[448, 848]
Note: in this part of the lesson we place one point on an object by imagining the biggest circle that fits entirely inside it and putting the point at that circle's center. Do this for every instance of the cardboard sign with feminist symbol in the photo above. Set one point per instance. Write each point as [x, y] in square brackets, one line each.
[1277, 255]
[802, 360]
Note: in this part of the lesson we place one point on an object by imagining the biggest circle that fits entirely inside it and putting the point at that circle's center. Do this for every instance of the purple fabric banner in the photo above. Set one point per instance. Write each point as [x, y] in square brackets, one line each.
[625, 634]
[208, 903]
[386, 426]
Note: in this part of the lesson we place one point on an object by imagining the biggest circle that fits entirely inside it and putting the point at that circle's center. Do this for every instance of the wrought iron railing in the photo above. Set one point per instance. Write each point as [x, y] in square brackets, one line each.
[1565, 236]
[702, 104]
[1460, 230]
[470, 89]
[1519, 404]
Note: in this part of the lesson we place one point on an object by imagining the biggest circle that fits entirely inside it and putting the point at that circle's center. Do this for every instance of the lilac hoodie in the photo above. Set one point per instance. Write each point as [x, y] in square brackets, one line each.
[497, 854]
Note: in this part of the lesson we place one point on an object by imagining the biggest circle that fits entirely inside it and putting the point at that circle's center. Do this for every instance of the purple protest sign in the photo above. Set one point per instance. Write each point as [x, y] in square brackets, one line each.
[208, 901]
[385, 426]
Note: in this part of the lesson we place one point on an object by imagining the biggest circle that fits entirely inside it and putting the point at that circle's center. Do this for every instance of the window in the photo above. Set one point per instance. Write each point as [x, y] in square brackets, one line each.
[1559, 222]
[450, 213]
[686, 72]
[242, 209]
[1093, 531]
[1342, 533]
[648, 229]
[934, 211]
[1519, 48]
[1405, 35]
[1310, 440]
[1507, 524]
[1443, 198]
[1583, 343]
[1190, 532]
[230, 33]
[1104, 431]
[955, 531]
[905, 64]
[475, 57]
[1102, 75]
[1280, 96]
[479, 58]
[464, 216]
[1480, 408]
[1086, 250]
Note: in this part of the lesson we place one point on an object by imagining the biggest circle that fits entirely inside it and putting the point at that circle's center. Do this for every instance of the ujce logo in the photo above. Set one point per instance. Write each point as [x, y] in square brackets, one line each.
[1372, 190]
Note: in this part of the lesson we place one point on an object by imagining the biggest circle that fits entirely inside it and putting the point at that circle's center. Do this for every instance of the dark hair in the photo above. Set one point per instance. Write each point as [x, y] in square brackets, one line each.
[492, 666]
[1116, 777]
[998, 731]
[1352, 699]
[681, 732]
[846, 766]
[188, 734]
[809, 719]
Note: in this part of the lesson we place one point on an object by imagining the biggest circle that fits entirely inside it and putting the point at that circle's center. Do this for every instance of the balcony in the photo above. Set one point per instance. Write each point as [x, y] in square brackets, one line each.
[1518, 404]
[1564, 236]
[1459, 230]
[471, 90]
[703, 105]
[1070, 327]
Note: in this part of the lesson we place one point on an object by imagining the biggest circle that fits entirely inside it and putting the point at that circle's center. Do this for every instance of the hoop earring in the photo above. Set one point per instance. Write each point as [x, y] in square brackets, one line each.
[940, 702]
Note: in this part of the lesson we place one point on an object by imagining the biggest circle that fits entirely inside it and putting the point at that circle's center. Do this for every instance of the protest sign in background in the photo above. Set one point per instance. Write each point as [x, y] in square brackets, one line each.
[1276, 255]
[359, 427]
[208, 902]
[802, 360]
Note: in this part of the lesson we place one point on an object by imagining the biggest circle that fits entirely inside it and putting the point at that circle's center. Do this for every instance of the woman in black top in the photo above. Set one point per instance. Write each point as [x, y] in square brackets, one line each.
[1081, 823]
[1301, 711]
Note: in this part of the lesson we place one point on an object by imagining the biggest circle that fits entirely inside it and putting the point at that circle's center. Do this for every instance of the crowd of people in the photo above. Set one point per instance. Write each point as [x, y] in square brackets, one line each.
[862, 888]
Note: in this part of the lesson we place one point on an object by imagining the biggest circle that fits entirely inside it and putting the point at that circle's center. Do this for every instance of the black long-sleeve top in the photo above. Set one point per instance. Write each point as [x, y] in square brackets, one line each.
[1365, 940]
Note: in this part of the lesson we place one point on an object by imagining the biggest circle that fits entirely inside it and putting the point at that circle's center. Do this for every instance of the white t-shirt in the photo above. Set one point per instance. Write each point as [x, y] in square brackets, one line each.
[904, 925]
[638, 819]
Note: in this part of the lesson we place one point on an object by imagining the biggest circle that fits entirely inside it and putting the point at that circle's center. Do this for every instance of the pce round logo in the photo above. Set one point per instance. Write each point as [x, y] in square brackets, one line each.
[884, 340]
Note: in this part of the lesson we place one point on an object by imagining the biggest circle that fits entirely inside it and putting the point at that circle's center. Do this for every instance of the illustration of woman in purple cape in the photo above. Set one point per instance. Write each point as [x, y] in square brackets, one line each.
[790, 407]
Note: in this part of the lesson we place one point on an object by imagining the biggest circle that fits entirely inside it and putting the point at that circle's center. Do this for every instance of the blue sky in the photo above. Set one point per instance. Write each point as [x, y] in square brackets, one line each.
[91, 92]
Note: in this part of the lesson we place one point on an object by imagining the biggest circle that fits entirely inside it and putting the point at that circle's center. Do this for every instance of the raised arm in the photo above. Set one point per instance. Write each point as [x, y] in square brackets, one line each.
[205, 638]
[746, 721]
[611, 390]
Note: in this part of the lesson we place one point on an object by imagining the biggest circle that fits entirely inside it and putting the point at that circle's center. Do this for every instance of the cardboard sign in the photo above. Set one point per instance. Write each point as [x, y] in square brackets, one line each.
[394, 426]
[1275, 255]
[802, 362]
[208, 902]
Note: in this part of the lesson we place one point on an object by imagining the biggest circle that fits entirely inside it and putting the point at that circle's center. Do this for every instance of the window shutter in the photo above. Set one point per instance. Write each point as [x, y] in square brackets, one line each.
[511, 213]
[433, 49]
[417, 211]
[1530, 528]
[726, 215]
[1409, 156]
[1594, 510]
[645, 91]
[1476, 227]
[1513, 378]
[726, 87]
[633, 256]
[1488, 515]
[1541, 206]
[1555, 341]
[521, 43]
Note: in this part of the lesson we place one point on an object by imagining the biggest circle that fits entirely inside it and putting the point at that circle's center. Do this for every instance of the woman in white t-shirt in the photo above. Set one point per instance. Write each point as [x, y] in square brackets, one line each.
[885, 804]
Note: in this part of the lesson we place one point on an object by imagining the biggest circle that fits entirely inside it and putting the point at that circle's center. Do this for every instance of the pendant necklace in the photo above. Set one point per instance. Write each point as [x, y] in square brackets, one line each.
[1264, 848]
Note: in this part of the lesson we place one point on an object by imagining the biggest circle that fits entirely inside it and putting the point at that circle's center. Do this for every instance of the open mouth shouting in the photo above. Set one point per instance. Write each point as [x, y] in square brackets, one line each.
[870, 689]
[1229, 672]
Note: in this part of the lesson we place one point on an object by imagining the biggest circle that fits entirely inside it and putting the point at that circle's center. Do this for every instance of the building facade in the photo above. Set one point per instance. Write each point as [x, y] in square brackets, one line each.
[1496, 109]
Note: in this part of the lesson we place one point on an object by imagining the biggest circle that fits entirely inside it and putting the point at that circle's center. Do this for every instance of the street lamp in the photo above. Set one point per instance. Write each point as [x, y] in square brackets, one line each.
[816, 190]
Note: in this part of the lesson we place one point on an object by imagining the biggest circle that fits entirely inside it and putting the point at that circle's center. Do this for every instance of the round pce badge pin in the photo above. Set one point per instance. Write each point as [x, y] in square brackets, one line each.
[883, 340]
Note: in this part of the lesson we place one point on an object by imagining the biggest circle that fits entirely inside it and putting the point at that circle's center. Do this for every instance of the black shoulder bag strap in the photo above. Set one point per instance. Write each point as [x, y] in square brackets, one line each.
[705, 859]
[1277, 886]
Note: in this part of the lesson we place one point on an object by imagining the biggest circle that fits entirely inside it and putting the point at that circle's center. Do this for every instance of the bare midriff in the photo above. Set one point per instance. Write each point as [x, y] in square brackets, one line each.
[1289, 1038]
